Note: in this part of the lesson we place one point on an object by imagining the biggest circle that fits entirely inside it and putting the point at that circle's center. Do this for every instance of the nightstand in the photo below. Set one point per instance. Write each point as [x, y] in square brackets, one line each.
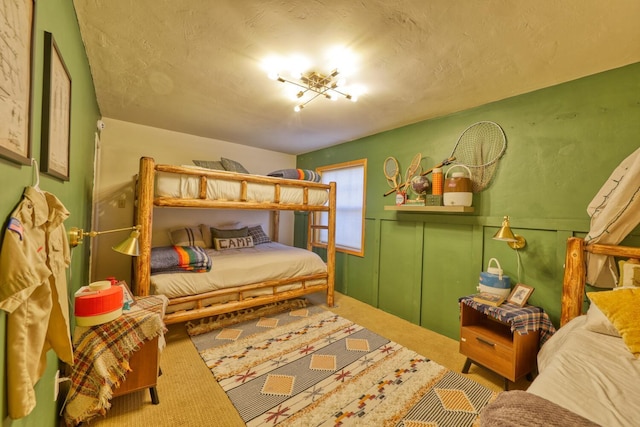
[504, 339]
[116, 358]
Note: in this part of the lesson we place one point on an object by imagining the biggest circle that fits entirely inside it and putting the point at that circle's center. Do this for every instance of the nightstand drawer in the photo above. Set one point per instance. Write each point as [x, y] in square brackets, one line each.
[488, 351]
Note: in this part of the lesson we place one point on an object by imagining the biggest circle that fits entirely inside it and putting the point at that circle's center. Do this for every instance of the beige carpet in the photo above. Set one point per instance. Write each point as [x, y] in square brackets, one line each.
[190, 396]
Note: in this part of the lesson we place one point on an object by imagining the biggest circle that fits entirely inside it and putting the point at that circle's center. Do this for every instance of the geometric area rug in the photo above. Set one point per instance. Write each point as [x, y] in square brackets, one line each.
[311, 367]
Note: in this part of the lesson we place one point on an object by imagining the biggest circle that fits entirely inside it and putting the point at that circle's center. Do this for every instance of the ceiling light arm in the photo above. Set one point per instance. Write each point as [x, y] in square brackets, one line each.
[308, 87]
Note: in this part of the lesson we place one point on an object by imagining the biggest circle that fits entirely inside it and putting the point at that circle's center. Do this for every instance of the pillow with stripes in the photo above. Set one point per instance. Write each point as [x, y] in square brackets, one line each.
[187, 236]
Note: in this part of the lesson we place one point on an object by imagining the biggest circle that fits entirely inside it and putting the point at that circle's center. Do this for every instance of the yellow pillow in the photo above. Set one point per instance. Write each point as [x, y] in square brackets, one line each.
[622, 308]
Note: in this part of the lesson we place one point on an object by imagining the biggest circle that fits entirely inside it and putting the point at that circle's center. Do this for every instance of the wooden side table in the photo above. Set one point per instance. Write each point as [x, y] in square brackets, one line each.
[504, 339]
[116, 358]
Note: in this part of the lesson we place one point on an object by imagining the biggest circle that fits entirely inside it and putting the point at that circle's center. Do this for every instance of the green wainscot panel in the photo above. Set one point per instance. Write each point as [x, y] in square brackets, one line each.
[400, 269]
[449, 272]
[539, 264]
[359, 273]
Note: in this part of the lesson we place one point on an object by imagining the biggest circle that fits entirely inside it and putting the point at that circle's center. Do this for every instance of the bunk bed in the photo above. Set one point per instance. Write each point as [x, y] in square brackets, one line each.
[184, 186]
[588, 374]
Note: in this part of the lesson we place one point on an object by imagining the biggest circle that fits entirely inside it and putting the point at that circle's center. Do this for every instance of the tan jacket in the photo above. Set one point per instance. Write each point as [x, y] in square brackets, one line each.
[33, 290]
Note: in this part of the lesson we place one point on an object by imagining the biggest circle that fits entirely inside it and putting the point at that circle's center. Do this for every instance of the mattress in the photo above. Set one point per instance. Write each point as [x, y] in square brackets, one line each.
[237, 267]
[188, 187]
[591, 374]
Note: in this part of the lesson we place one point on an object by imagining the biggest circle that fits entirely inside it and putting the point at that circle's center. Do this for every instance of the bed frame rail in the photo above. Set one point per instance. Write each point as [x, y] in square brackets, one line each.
[308, 285]
[575, 272]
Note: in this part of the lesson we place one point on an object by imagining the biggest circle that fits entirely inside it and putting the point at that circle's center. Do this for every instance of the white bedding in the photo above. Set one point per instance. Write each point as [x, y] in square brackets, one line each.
[236, 267]
[188, 187]
[591, 374]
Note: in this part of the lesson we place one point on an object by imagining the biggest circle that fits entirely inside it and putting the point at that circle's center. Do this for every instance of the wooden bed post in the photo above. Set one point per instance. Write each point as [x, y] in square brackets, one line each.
[331, 244]
[275, 226]
[574, 280]
[144, 217]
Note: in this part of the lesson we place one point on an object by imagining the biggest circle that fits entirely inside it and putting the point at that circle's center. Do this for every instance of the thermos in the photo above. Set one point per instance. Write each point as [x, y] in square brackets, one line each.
[437, 181]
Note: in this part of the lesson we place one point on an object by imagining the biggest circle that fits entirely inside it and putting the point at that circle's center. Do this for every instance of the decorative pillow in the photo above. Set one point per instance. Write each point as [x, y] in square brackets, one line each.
[209, 164]
[233, 243]
[187, 236]
[217, 233]
[598, 322]
[258, 234]
[622, 308]
[206, 230]
[232, 165]
[629, 273]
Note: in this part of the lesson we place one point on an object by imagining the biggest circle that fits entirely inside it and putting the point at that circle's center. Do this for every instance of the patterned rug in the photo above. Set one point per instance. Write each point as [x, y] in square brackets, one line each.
[311, 367]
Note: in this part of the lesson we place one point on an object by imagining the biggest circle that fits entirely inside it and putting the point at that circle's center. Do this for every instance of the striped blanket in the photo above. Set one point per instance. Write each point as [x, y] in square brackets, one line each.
[305, 174]
[170, 259]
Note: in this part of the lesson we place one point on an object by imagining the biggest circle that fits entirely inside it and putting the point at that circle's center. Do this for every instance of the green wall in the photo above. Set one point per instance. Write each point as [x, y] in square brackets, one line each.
[57, 17]
[563, 142]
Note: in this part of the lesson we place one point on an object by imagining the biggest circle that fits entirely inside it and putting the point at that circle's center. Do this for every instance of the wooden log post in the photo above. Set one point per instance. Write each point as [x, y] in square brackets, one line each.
[144, 217]
[331, 245]
[574, 280]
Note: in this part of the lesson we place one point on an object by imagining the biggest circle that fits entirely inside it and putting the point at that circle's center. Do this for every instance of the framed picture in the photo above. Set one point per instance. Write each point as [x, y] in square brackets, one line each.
[56, 112]
[16, 39]
[520, 294]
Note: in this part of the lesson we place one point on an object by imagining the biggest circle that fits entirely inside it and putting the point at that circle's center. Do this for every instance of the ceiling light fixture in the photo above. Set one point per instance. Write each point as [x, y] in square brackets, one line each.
[316, 85]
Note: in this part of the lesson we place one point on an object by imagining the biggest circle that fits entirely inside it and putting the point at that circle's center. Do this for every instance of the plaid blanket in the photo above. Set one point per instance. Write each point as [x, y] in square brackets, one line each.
[101, 356]
[521, 319]
[170, 259]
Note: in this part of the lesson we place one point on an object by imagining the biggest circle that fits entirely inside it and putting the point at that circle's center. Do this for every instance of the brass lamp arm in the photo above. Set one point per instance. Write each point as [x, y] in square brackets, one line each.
[76, 235]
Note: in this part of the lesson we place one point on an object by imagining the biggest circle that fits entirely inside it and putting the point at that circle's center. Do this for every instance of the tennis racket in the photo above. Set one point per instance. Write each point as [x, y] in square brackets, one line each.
[411, 170]
[392, 172]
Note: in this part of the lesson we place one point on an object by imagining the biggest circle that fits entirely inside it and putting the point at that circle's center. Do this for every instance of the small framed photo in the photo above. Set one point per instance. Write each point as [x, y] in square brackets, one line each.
[520, 294]
[127, 296]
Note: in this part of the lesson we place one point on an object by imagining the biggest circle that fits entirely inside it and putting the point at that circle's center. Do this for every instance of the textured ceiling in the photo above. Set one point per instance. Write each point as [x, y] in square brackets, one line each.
[194, 66]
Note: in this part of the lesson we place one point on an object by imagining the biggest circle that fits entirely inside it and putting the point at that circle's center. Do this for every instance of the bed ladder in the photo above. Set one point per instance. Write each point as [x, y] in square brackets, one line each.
[313, 231]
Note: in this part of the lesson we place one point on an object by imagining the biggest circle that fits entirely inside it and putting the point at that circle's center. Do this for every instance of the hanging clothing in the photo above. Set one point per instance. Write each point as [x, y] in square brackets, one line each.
[33, 290]
[615, 212]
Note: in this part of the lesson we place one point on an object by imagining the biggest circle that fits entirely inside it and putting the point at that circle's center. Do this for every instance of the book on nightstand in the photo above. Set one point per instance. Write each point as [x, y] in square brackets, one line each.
[488, 299]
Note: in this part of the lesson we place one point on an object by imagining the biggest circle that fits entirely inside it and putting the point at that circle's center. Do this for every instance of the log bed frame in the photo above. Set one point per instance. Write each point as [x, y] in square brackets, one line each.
[573, 289]
[146, 200]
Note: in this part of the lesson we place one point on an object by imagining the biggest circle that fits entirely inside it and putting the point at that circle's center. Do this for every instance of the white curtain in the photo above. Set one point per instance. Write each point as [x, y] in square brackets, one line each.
[614, 212]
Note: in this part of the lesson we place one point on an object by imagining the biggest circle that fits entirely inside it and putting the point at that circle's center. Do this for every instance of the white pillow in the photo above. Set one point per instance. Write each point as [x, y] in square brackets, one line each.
[598, 322]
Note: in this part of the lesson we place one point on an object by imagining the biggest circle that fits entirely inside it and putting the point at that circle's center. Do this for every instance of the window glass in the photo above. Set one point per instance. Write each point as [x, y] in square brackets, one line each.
[350, 201]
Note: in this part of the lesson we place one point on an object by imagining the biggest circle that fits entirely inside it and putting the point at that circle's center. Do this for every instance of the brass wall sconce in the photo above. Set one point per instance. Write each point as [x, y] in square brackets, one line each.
[506, 235]
[128, 247]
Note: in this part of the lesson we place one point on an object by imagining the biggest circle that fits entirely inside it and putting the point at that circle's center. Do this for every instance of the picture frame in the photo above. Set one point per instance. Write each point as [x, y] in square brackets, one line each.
[127, 296]
[56, 112]
[16, 75]
[520, 294]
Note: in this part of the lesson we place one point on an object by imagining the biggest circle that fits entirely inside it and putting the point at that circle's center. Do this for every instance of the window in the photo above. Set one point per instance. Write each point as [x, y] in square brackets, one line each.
[350, 202]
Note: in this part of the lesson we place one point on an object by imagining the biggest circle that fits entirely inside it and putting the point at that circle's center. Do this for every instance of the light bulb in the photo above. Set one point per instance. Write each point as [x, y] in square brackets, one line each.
[297, 108]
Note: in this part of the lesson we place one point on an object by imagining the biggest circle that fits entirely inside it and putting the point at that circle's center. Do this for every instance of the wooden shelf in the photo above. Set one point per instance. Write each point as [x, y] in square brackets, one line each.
[422, 208]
